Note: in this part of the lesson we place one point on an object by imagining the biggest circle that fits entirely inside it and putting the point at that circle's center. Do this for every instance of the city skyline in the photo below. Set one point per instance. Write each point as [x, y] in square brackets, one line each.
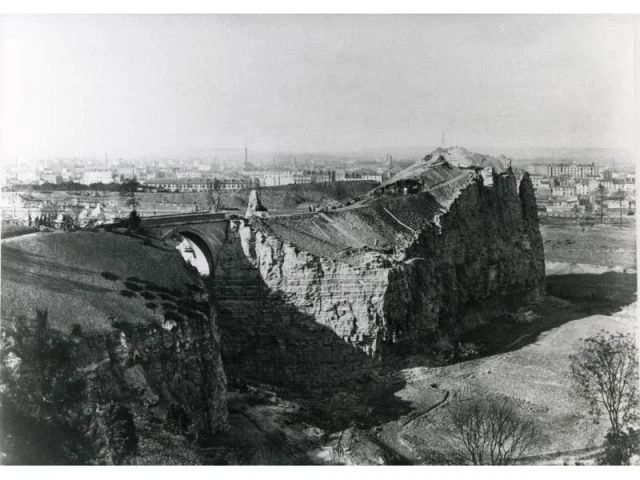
[164, 85]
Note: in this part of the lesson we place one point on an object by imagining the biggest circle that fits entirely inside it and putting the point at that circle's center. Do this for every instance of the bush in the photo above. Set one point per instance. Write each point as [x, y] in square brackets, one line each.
[619, 448]
[134, 220]
[467, 350]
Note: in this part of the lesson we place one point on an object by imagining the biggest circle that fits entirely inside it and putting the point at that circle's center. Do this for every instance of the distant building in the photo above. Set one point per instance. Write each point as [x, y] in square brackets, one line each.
[629, 184]
[196, 185]
[563, 191]
[96, 176]
[607, 174]
[537, 180]
[573, 170]
[582, 187]
[538, 169]
[274, 178]
[342, 176]
[51, 178]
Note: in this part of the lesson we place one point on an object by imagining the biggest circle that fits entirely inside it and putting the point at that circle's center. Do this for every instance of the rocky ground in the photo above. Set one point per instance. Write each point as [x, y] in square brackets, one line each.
[531, 370]
[527, 362]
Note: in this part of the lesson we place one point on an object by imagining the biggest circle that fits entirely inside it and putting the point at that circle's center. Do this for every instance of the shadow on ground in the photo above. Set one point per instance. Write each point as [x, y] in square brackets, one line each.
[580, 295]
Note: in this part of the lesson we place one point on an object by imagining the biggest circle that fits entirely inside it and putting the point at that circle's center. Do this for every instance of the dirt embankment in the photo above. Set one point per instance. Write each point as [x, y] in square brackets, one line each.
[110, 352]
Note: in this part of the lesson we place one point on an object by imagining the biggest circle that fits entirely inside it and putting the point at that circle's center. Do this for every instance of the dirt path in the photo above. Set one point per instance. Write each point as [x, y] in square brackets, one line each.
[581, 453]
[422, 412]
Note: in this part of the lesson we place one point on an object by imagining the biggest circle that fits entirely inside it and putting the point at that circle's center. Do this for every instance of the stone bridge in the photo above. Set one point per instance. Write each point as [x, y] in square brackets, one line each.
[207, 230]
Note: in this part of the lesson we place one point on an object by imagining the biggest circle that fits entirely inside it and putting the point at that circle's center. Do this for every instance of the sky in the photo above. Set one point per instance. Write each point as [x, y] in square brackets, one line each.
[151, 85]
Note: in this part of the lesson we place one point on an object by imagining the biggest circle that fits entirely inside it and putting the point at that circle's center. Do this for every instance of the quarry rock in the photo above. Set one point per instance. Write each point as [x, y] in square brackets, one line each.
[113, 434]
[254, 206]
[136, 379]
[109, 383]
[313, 298]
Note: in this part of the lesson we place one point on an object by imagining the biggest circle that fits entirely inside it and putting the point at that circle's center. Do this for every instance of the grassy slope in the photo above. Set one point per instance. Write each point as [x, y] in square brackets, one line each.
[64, 273]
[599, 245]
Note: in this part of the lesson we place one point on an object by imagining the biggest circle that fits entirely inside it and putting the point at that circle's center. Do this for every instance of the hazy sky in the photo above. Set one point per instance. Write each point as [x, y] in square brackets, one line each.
[145, 85]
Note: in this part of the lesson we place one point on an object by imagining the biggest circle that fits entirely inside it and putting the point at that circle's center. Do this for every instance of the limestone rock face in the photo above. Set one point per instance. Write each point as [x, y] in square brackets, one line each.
[270, 316]
[341, 288]
[254, 206]
[106, 386]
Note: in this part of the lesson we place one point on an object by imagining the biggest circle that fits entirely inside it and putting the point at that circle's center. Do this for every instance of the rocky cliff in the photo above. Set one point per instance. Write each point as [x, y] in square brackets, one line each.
[114, 366]
[435, 251]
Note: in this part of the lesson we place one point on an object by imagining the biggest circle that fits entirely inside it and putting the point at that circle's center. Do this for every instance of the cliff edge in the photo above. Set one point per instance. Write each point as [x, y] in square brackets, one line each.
[435, 251]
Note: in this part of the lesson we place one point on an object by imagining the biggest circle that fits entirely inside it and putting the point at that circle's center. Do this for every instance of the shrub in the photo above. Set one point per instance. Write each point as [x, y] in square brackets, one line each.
[134, 220]
[619, 448]
[110, 276]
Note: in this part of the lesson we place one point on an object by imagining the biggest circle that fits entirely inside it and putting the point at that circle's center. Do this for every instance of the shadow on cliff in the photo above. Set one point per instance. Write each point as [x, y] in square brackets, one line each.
[337, 384]
[569, 297]
[266, 340]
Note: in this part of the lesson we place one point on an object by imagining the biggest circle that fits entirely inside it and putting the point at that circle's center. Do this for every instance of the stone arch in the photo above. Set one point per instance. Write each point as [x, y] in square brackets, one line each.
[199, 240]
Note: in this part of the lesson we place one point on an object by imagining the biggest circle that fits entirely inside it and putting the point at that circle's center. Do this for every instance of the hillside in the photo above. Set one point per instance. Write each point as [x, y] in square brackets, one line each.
[130, 342]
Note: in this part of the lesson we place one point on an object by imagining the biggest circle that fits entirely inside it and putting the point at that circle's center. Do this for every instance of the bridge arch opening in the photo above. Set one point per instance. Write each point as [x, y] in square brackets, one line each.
[195, 251]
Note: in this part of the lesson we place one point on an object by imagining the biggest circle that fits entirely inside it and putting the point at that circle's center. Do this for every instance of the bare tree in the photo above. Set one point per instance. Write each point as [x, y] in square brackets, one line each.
[490, 431]
[214, 195]
[575, 209]
[620, 196]
[601, 193]
[128, 189]
[605, 372]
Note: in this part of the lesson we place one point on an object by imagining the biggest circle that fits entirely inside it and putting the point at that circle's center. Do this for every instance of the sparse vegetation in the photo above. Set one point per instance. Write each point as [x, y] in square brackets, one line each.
[620, 448]
[110, 276]
[134, 220]
[214, 196]
[490, 431]
[605, 373]
[133, 286]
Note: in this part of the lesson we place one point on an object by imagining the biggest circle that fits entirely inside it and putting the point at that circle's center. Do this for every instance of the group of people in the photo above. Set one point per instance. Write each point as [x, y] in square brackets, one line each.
[49, 220]
[45, 220]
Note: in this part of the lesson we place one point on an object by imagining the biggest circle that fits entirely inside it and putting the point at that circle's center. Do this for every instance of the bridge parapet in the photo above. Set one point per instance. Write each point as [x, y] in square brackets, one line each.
[181, 219]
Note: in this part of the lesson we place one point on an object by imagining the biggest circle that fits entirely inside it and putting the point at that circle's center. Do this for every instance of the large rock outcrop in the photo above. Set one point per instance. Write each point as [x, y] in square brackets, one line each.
[118, 366]
[436, 250]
